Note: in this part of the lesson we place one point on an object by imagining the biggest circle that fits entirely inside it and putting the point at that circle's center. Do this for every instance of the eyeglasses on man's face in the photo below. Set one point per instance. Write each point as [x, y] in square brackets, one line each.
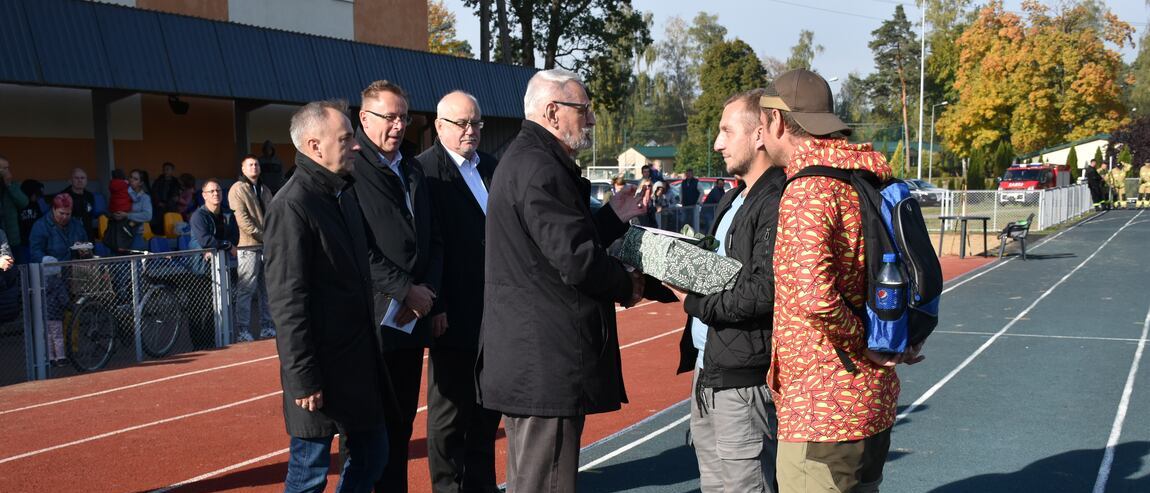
[583, 108]
[213, 191]
[463, 124]
[393, 118]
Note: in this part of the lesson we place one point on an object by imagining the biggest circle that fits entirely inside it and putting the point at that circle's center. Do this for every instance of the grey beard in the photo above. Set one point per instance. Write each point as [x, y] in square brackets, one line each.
[580, 142]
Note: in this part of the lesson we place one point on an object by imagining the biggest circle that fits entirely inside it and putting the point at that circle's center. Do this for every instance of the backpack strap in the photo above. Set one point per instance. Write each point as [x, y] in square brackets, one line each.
[848, 176]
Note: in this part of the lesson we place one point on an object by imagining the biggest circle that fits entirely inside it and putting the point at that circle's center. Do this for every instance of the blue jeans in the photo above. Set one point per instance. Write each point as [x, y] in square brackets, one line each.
[310, 460]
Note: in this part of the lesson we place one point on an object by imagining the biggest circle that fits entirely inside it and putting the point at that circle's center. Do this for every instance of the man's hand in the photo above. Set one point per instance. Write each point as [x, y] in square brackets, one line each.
[637, 283]
[910, 356]
[438, 325]
[405, 315]
[6, 262]
[419, 299]
[311, 402]
[630, 202]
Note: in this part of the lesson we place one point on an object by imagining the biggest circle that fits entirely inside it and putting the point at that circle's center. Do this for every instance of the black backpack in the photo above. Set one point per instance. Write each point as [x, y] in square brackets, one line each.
[892, 222]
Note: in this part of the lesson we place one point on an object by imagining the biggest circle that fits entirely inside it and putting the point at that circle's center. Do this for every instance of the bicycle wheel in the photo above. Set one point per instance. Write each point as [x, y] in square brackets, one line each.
[90, 339]
[161, 318]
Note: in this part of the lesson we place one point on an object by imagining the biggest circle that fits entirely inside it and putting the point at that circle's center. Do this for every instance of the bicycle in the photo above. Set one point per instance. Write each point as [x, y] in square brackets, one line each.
[99, 317]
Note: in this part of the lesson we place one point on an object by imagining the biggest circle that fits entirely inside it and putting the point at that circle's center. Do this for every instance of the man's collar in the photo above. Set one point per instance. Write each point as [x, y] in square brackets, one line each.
[460, 160]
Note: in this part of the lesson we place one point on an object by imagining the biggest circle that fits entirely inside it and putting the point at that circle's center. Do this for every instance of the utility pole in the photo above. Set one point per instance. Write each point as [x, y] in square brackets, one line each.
[921, 84]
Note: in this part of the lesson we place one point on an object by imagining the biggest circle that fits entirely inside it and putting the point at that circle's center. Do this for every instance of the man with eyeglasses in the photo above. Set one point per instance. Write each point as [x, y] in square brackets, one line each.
[549, 347]
[460, 434]
[406, 256]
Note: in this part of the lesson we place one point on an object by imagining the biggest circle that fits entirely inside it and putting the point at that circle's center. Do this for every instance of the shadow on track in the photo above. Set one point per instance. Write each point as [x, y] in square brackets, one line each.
[1069, 471]
[645, 472]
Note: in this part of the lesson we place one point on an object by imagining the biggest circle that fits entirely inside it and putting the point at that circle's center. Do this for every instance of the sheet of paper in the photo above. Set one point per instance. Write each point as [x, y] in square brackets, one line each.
[671, 234]
[393, 310]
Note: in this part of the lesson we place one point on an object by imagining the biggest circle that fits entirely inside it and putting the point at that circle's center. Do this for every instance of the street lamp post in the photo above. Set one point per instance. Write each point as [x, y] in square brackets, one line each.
[921, 85]
[930, 162]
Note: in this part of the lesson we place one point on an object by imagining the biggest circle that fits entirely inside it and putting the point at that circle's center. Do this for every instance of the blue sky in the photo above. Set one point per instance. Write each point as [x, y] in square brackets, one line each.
[771, 27]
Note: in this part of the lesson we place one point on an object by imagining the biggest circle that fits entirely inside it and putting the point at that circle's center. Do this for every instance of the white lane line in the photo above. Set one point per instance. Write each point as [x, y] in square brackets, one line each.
[1040, 336]
[248, 462]
[645, 303]
[634, 444]
[1004, 262]
[135, 385]
[930, 393]
[137, 427]
[649, 339]
[1120, 416]
[221, 471]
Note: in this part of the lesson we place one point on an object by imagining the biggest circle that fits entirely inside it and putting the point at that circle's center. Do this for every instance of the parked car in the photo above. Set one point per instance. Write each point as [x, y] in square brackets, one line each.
[926, 193]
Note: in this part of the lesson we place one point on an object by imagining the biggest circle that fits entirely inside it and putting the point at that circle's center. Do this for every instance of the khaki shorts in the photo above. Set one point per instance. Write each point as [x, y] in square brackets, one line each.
[832, 467]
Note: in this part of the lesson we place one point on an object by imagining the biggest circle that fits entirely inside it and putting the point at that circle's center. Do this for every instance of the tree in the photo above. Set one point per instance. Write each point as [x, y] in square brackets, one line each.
[1136, 137]
[947, 19]
[803, 53]
[851, 101]
[975, 171]
[1072, 159]
[896, 56]
[1098, 155]
[1037, 79]
[1125, 156]
[728, 68]
[683, 47]
[441, 35]
[897, 161]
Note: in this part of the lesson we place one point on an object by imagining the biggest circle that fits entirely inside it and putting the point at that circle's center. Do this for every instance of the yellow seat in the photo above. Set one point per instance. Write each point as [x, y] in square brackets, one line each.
[171, 219]
[148, 232]
[103, 226]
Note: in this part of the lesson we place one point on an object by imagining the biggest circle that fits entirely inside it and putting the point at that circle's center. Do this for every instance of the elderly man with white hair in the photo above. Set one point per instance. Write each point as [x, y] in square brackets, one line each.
[549, 349]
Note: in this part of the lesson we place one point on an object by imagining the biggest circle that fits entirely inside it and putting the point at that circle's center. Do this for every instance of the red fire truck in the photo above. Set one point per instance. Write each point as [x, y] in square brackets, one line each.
[1022, 183]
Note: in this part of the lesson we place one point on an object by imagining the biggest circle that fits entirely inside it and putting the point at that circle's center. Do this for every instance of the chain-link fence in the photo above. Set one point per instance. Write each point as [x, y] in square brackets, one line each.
[1051, 206]
[699, 217]
[87, 315]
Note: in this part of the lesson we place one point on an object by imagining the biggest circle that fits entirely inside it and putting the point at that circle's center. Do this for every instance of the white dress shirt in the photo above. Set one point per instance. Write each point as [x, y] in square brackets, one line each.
[469, 168]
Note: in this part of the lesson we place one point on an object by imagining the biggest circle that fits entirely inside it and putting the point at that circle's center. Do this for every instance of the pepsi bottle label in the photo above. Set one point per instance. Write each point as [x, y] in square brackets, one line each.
[887, 298]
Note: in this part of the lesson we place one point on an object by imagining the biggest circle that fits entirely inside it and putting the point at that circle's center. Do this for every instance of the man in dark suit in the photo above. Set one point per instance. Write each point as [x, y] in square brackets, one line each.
[460, 433]
[549, 348]
[332, 372]
[406, 257]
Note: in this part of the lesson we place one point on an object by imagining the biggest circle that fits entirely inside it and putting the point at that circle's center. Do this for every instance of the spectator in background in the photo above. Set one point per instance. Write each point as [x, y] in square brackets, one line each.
[165, 193]
[689, 189]
[186, 201]
[212, 228]
[717, 192]
[83, 201]
[249, 199]
[118, 236]
[272, 170]
[141, 201]
[656, 173]
[32, 212]
[51, 240]
[12, 199]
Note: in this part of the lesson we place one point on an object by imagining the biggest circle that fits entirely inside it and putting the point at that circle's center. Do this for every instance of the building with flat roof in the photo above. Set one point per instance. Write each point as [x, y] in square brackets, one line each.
[199, 83]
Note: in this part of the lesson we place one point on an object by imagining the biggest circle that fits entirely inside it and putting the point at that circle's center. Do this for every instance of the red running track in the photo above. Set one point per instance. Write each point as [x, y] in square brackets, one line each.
[212, 421]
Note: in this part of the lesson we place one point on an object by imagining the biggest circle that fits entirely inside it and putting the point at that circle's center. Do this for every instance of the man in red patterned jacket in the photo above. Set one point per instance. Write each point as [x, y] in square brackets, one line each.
[836, 399]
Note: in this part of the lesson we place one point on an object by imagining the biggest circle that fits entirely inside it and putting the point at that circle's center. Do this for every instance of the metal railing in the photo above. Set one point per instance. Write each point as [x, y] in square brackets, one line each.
[85, 315]
[1051, 207]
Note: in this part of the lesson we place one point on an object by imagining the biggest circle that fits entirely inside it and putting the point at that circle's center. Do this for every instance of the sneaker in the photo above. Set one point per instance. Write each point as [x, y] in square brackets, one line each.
[267, 333]
[245, 336]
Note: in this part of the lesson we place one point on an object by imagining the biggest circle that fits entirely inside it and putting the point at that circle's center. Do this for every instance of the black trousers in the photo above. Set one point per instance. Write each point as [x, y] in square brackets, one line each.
[460, 433]
[406, 369]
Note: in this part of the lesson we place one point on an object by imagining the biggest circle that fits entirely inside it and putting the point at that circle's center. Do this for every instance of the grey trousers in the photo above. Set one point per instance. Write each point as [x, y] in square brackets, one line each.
[542, 453]
[734, 437]
[250, 284]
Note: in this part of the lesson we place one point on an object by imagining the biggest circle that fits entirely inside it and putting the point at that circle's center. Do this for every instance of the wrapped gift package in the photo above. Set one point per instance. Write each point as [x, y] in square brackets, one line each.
[676, 260]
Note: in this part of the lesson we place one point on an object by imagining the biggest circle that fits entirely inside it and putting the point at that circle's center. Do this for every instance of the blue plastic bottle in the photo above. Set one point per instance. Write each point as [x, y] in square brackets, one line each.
[890, 290]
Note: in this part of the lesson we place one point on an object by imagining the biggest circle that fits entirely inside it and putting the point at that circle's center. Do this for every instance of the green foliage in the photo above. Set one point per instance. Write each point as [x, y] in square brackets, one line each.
[1072, 158]
[1001, 159]
[728, 68]
[898, 161]
[803, 53]
[976, 171]
[896, 57]
[1136, 137]
[1124, 156]
[1098, 154]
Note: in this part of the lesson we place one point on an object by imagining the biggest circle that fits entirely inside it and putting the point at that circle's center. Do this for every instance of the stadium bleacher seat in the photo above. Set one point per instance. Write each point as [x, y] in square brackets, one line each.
[171, 220]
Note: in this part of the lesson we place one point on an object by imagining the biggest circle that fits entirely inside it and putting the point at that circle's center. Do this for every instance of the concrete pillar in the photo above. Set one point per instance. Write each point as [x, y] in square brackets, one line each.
[102, 131]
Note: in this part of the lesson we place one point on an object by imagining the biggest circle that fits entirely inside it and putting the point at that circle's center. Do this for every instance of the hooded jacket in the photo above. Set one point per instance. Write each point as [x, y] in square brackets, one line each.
[819, 261]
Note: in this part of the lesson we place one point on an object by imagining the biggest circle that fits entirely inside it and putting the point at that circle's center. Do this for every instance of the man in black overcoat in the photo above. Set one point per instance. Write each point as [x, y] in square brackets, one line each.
[460, 433]
[406, 256]
[319, 291]
[549, 349]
